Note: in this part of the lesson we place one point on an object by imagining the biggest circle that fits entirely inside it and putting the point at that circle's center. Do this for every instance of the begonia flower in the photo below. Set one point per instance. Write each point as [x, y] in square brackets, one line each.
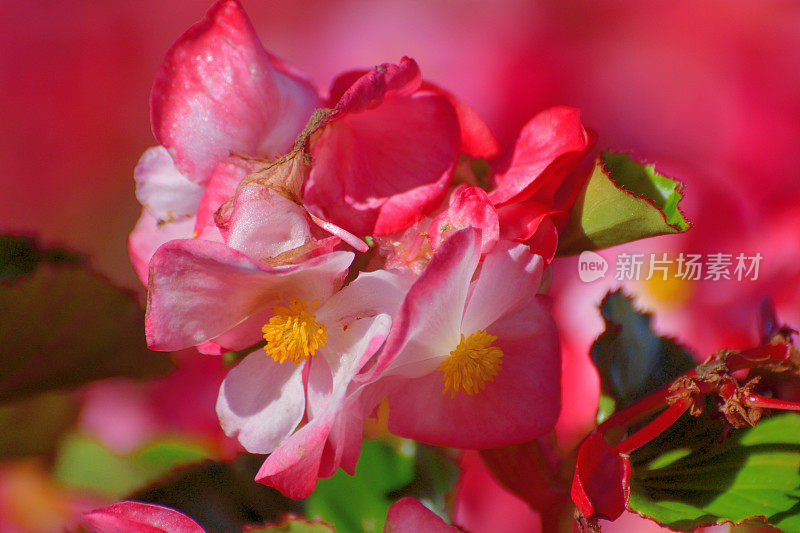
[473, 364]
[318, 337]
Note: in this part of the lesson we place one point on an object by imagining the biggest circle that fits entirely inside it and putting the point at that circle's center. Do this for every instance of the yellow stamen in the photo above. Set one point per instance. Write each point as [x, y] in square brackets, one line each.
[473, 362]
[293, 332]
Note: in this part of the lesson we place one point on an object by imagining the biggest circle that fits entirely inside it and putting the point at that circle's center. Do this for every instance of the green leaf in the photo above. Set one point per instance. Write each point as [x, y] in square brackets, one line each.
[622, 201]
[688, 478]
[630, 358]
[85, 463]
[33, 425]
[63, 325]
[222, 497]
[359, 503]
[294, 525]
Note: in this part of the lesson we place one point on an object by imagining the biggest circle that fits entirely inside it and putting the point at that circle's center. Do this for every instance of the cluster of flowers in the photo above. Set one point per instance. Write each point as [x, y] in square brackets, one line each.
[253, 203]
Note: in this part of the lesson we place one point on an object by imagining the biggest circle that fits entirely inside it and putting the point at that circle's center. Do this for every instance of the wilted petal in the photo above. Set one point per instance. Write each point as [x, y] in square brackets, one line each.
[264, 224]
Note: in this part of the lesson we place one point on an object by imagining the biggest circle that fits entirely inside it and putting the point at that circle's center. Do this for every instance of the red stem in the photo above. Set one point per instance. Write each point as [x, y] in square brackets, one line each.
[755, 400]
[642, 407]
[654, 428]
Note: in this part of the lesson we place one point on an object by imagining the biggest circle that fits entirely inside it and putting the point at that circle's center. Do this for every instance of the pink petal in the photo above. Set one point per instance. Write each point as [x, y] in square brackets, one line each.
[202, 289]
[220, 188]
[357, 91]
[261, 402]
[380, 170]
[469, 207]
[162, 189]
[408, 515]
[534, 224]
[510, 275]
[264, 224]
[148, 235]
[218, 92]
[520, 404]
[137, 517]
[477, 139]
[427, 326]
[296, 465]
[548, 147]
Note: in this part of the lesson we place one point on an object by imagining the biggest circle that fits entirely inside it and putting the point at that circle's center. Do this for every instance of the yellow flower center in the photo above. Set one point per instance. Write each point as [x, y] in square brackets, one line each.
[293, 332]
[473, 362]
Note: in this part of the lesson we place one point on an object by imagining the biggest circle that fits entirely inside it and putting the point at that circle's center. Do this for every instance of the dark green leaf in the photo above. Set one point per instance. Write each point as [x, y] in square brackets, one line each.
[622, 201]
[630, 358]
[33, 425]
[359, 503]
[689, 477]
[64, 325]
[222, 497]
[21, 255]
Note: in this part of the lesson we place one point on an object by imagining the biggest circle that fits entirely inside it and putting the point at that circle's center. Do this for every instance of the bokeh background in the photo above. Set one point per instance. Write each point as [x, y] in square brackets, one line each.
[708, 90]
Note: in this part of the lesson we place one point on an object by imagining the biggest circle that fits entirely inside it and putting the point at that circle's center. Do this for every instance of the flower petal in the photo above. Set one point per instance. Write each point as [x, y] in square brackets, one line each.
[261, 402]
[511, 274]
[469, 206]
[386, 157]
[202, 289]
[408, 515]
[428, 323]
[162, 189]
[138, 517]
[333, 431]
[520, 404]
[548, 147]
[218, 91]
[148, 235]
[264, 224]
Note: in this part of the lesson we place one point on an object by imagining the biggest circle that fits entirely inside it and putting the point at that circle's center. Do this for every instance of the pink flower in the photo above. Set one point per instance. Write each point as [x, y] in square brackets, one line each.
[473, 364]
[318, 338]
